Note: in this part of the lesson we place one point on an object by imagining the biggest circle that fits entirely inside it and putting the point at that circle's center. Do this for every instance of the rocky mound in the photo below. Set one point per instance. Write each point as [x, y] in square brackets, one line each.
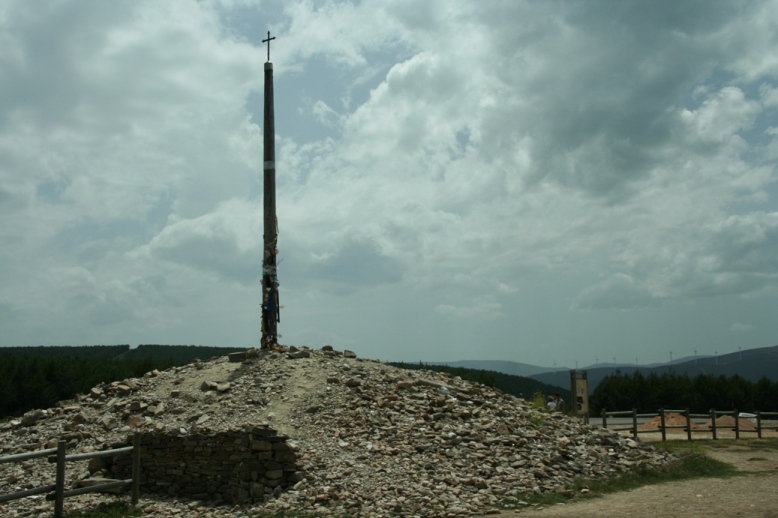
[372, 439]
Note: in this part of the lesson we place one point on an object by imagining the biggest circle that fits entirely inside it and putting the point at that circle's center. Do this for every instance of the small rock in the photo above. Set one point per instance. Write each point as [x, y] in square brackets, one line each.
[236, 357]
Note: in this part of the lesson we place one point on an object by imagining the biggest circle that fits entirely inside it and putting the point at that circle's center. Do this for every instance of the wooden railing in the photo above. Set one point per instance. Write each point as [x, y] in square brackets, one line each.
[687, 427]
[61, 458]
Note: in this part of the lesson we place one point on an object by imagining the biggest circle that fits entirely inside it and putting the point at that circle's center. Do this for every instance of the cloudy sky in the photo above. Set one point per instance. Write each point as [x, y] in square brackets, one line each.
[548, 182]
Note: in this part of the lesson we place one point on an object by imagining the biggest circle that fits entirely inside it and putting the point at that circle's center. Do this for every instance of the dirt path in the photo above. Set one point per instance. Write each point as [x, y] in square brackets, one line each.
[753, 494]
[297, 384]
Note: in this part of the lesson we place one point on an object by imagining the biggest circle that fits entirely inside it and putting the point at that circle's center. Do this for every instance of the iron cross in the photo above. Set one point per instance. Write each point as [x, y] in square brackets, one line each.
[268, 44]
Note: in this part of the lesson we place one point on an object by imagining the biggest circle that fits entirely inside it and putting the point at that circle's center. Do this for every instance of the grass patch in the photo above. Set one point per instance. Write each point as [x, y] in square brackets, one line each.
[121, 509]
[719, 444]
[759, 444]
[107, 510]
[692, 463]
[750, 444]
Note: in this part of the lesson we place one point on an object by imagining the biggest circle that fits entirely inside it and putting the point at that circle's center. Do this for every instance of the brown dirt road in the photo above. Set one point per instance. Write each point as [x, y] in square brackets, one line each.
[752, 494]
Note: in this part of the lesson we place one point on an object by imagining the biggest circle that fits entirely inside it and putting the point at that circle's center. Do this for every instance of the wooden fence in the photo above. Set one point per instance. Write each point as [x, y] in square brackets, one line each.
[59, 493]
[687, 427]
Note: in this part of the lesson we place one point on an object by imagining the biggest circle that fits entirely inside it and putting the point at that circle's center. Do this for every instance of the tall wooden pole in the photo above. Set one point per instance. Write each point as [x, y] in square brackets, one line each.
[59, 491]
[270, 302]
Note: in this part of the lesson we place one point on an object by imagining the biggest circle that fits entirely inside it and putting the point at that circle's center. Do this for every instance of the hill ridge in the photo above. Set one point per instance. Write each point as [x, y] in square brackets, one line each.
[751, 364]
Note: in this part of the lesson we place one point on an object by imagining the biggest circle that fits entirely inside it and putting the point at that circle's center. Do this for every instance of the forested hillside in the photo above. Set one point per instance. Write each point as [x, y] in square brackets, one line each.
[678, 391]
[78, 351]
[177, 354]
[38, 377]
[28, 382]
[508, 383]
[750, 364]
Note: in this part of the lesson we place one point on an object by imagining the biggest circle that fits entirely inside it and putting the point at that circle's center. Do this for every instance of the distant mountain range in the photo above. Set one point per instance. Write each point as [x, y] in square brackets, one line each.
[750, 364]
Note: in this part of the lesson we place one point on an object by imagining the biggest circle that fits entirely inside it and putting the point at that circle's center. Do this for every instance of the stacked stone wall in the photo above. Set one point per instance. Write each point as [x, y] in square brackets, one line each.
[233, 466]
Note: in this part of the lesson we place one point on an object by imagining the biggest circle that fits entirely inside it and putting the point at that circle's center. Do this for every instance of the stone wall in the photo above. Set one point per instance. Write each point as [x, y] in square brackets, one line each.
[233, 466]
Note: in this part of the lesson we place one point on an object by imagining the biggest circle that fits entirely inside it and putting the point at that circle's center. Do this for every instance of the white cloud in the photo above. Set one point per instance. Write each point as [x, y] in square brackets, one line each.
[326, 115]
[722, 116]
[483, 309]
[737, 326]
[506, 288]
[226, 243]
[341, 32]
[769, 95]
[619, 291]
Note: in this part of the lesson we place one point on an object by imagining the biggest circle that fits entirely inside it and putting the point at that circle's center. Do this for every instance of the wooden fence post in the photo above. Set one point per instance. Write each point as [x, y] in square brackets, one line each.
[713, 422]
[688, 425]
[635, 423]
[59, 490]
[737, 424]
[662, 424]
[759, 424]
[135, 468]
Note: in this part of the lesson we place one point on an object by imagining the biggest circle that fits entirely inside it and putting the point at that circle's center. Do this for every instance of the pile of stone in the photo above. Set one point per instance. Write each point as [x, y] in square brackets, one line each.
[369, 439]
[673, 420]
[727, 422]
